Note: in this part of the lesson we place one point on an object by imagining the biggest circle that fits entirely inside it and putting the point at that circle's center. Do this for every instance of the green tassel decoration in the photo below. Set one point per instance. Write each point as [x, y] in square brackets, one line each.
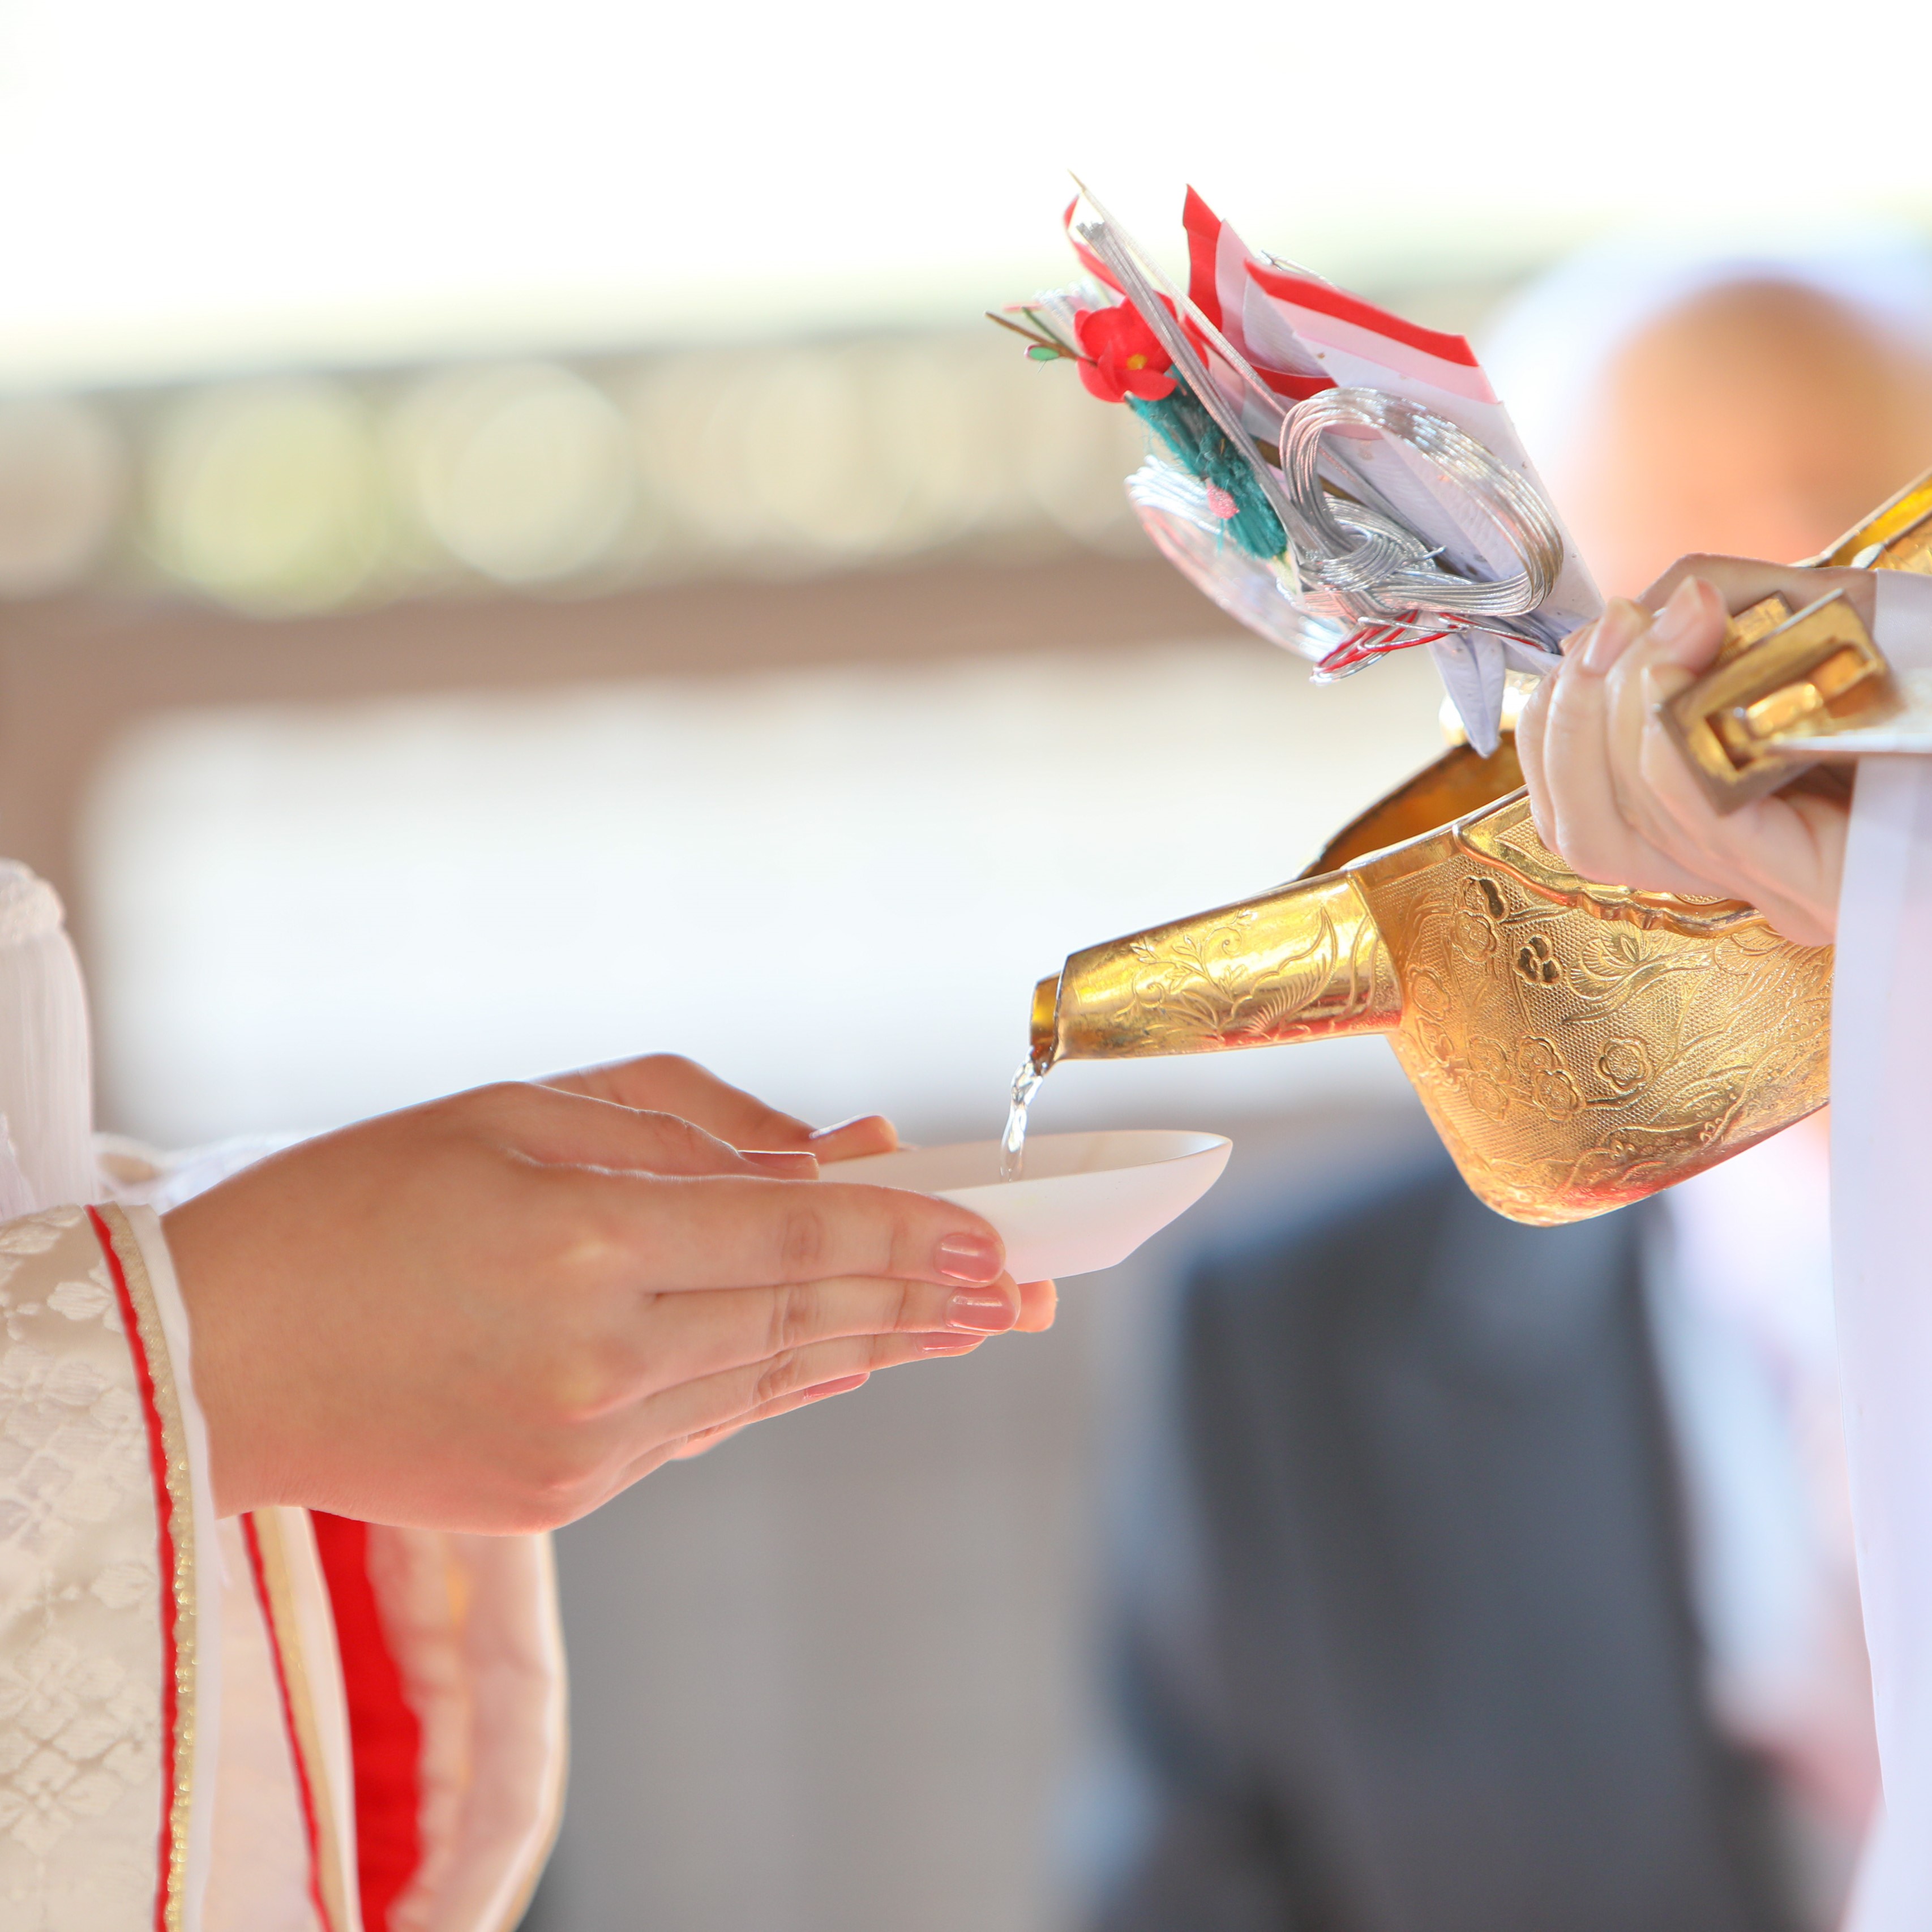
[1201, 447]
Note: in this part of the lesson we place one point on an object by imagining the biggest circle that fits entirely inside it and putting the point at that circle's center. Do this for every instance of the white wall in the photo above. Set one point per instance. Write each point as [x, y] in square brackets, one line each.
[838, 887]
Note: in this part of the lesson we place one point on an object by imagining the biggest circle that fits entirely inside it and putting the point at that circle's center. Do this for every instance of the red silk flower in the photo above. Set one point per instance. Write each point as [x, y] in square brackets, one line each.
[1127, 359]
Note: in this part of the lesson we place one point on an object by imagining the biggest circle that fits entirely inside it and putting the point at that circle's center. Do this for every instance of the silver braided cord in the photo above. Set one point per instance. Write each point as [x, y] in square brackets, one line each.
[1365, 564]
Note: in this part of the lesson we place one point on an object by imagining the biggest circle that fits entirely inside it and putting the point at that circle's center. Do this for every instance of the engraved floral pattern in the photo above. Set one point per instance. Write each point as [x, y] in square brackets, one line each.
[1504, 838]
[1615, 964]
[1494, 1078]
[1428, 994]
[1479, 905]
[1536, 963]
[1225, 986]
[1551, 1089]
[1623, 1063]
[1578, 1046]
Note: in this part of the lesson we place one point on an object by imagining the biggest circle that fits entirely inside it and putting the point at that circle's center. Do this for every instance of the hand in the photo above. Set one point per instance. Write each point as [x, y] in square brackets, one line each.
[1612, 794]
[496, 1310]
[668, 1083]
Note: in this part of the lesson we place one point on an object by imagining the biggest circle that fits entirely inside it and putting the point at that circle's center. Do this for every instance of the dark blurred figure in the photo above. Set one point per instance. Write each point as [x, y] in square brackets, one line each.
[1410, 1642]
[1490, 1578]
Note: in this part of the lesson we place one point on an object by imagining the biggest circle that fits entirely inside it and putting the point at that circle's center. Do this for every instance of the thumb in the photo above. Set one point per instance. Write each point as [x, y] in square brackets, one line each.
[1689, 631]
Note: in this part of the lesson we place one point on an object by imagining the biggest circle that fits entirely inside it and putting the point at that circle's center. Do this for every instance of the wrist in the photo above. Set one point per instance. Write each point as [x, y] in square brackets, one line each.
[200, 1246]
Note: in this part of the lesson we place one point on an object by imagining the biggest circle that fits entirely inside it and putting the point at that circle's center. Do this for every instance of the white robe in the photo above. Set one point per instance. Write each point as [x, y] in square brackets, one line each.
[279, 1722]
[1882, 1265]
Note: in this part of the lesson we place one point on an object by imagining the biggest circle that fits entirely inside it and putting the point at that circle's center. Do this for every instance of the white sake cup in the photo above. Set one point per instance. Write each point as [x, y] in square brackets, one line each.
[1085, 1202]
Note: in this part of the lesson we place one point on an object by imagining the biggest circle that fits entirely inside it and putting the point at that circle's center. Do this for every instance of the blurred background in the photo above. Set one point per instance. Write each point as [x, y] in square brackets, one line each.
[516, 548]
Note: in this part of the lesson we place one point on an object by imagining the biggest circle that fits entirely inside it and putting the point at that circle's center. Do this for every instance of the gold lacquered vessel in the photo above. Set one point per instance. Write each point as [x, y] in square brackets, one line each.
[1577, 1045]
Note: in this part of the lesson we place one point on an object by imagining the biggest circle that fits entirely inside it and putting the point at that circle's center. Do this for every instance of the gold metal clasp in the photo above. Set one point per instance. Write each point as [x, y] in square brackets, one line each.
[1753, 626]
[1780, 685]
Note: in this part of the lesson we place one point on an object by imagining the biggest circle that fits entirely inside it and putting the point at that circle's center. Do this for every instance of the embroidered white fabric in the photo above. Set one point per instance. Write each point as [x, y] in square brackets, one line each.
[473, 1619]
[79, 1594]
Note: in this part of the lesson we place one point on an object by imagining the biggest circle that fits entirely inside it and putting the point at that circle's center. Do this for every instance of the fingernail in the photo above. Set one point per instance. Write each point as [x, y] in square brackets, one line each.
[949, 1345]
[982, 1314]
[844, 1385]
[1663, 682]
[1678, 618]
[969, 1258]
[782, 1160]
[1616, 631]
[837, 1127]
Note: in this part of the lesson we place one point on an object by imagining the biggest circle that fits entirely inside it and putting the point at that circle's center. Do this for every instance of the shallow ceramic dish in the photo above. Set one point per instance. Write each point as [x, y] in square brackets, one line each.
[1085, 1202]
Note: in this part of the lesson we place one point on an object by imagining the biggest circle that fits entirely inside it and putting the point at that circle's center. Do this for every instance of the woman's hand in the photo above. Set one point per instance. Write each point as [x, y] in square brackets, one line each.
[668, 1083]
[1613, 795]
[496, 1310]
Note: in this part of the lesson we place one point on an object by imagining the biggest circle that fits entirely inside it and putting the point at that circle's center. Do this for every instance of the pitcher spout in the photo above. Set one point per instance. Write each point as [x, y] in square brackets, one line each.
[1306, 962]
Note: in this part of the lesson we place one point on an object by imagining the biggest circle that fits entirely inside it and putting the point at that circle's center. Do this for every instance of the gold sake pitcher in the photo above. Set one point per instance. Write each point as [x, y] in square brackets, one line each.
[1577, 1045]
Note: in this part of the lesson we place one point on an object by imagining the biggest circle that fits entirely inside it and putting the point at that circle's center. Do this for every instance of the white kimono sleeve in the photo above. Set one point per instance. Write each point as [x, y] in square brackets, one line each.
[279, 1722]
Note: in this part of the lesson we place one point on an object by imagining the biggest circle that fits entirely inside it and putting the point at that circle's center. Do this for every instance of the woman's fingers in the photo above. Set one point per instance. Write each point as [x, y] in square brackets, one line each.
[1779, 855]
[1612, 794]
[1579, 739]
[679, 1337]
[678, 1449]
[1682, 641]
[864, 1133]
[707, 1439]
[669, 1083]
[734, 1232]
[740, 1395]
[564, 1129]
[1039, 1302]
[1532, 728]
[1037, 1294]
[1580, 813]
[1587, 708]
[609, 1453]
[1741, 582]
